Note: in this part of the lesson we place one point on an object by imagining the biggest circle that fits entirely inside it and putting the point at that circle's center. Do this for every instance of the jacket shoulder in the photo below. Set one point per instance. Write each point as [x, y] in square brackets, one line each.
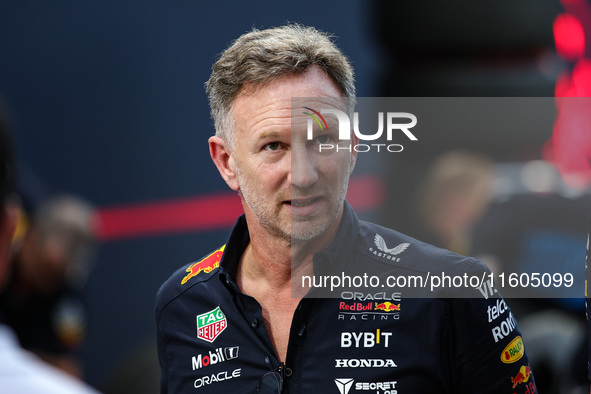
[188, 276]
[385, 244]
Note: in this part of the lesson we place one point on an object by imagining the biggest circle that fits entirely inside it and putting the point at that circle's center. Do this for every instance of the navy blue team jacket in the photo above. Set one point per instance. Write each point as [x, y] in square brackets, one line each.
[212, 338]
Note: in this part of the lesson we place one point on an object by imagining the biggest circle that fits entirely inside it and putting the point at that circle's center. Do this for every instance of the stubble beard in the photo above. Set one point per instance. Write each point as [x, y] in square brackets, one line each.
[262, 210]
[307, 231]
[292, 232]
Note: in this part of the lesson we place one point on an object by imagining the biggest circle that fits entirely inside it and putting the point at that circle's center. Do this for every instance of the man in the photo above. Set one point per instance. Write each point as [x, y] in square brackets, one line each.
[20, 371]
[237, 321]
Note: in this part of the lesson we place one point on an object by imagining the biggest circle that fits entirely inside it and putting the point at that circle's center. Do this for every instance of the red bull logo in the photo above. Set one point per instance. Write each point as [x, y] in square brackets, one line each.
[206, 265]
[522, 376]
[387, 307]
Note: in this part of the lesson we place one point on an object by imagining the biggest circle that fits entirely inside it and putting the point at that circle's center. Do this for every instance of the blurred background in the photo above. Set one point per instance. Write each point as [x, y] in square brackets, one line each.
[107, 104]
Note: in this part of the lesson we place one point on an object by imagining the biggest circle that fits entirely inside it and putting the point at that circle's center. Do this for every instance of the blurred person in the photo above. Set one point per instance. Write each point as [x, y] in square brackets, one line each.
[21, 371]
[455, 198]
[455, 194]
[42, 301]
[238, 321]
[534, 225]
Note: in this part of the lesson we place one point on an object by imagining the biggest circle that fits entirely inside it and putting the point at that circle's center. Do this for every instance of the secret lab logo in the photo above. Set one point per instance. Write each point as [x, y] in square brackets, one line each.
[345, 130]
[345, 384]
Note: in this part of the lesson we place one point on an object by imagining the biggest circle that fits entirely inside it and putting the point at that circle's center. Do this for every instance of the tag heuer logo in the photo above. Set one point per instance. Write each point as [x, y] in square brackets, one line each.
[344, 384]
[211, 324]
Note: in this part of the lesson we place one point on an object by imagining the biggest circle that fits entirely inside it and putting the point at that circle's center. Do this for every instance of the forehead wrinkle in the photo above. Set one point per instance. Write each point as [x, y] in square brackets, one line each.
[269, 105]
[279, 117]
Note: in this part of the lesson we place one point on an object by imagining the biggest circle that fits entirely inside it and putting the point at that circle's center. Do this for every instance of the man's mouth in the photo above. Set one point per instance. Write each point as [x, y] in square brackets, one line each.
[302, 202]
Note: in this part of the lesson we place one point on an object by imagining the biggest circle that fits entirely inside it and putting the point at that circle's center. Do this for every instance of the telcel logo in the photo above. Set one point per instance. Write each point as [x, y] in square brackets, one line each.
[345, 129]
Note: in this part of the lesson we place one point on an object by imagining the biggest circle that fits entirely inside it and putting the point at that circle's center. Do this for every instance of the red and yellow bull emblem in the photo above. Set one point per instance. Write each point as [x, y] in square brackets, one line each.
[522, 376]
[387, 307]
[206, 265]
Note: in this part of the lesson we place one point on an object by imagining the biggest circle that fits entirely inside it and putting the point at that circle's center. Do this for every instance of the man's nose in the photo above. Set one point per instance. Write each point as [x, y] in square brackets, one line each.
[303, 168]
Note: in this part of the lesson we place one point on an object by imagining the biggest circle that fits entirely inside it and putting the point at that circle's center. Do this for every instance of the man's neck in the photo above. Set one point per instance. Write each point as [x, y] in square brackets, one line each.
[265, 261]
[275, 263]
[270, 270]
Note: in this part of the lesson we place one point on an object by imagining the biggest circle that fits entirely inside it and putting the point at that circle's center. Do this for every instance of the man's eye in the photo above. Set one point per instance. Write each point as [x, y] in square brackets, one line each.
[323, 139]
[272, 146]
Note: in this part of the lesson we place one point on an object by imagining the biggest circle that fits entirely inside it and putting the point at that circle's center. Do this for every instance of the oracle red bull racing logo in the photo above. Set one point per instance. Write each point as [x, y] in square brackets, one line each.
[211, 324]
[361, 306]
[206, 265]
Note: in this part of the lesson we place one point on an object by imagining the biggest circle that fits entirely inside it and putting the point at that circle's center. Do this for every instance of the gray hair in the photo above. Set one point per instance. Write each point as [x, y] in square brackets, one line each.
[259, 56]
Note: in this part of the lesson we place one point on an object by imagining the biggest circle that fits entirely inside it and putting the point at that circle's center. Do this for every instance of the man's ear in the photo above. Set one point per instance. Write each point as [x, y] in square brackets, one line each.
[224, 161]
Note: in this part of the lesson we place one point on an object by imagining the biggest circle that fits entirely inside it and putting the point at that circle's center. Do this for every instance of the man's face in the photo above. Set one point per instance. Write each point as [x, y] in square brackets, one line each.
[288, 186]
